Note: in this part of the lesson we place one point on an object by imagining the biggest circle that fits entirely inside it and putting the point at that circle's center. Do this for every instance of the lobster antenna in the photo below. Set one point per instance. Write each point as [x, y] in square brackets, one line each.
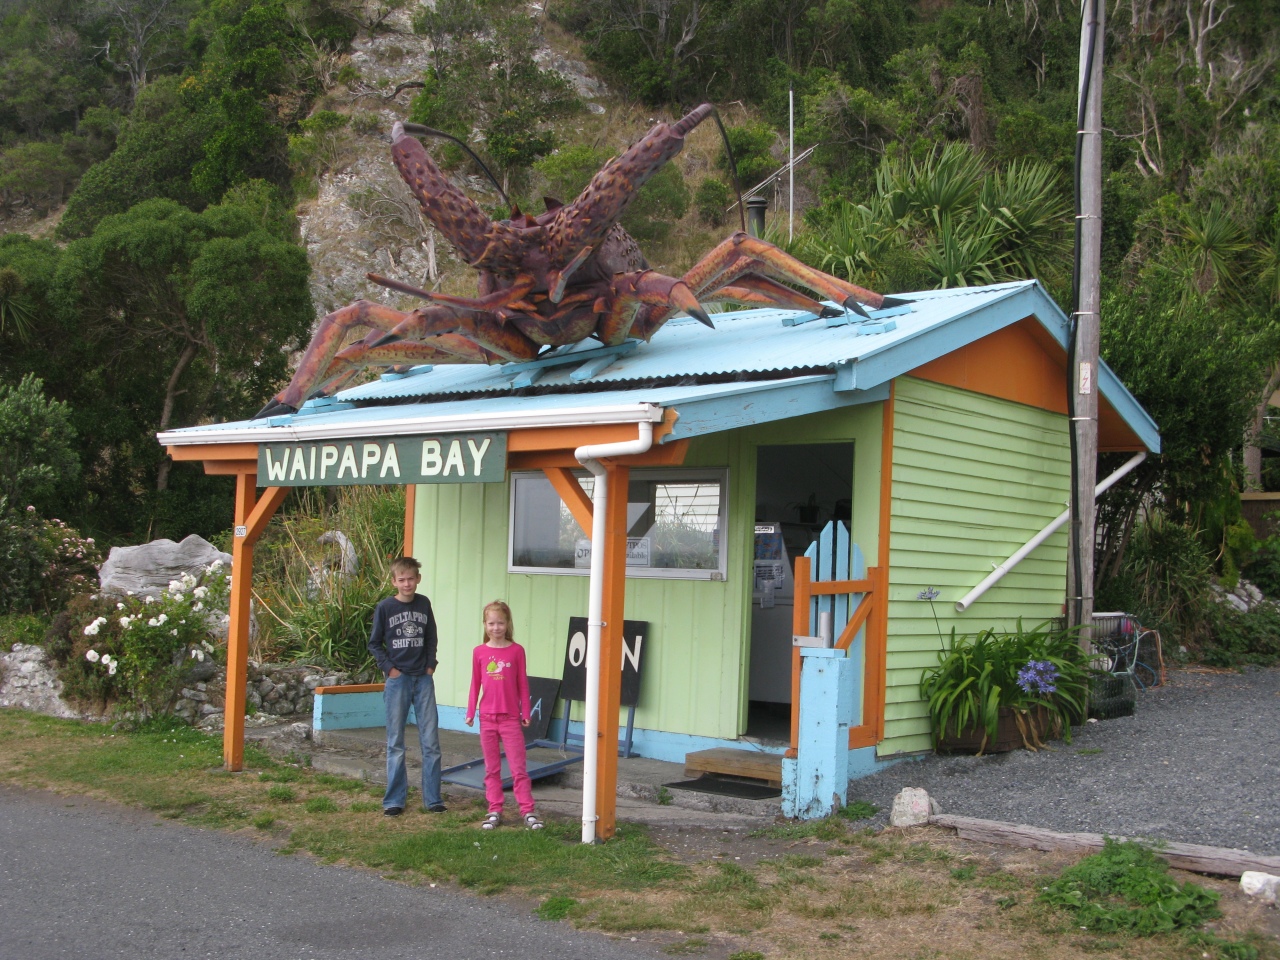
[420, 130]
[733, 168]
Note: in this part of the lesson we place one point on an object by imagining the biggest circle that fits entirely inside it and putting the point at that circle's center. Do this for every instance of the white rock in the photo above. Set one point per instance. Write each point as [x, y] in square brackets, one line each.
[911, 808]
[1262, 885]
[148, 568]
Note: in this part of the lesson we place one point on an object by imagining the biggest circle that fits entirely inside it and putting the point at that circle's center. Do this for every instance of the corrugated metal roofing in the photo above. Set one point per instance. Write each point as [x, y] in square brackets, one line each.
[757, 365]
[751, 343]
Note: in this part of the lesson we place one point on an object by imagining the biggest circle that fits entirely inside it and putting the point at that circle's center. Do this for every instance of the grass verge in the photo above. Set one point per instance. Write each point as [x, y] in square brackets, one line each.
[815, 890]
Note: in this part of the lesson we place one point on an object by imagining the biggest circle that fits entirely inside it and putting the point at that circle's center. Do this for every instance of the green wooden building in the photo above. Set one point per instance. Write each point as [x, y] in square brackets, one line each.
[935, 432]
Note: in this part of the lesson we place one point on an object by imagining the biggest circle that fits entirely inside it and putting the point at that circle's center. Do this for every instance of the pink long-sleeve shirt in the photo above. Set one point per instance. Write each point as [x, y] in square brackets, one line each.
[499, 680]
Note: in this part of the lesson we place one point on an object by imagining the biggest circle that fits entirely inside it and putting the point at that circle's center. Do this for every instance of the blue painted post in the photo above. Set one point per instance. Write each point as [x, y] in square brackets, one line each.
[816, 782]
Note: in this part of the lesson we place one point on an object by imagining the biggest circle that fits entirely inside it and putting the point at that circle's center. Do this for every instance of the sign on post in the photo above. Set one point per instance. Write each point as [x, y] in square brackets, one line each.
[634, 635]
[447, 458]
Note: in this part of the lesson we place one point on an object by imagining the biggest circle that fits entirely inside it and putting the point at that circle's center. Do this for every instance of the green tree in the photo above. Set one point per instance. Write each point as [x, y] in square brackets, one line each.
[490, 80]
[39, 173]
[196, 306]
[38, 461]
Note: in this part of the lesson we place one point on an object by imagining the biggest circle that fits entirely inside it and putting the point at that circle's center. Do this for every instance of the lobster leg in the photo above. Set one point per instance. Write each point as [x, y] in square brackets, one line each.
[328, 339]
[713, 269]
[445, 348]
[646, 293]
[501, 340]
[750, 287]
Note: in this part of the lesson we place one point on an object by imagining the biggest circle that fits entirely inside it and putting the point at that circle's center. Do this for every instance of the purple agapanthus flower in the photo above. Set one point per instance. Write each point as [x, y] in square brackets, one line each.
[1038, 676]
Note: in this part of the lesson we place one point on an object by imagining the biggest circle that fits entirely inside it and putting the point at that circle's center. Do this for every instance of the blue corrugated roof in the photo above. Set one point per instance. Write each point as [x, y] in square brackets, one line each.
[747, 342]
[757, 365]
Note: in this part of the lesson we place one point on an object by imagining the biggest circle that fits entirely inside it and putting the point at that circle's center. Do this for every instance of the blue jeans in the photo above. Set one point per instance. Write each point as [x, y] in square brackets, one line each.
[398, 695]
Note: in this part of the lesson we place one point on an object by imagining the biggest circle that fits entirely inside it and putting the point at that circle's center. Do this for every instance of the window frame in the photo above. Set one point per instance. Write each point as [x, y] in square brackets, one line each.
[719, 475]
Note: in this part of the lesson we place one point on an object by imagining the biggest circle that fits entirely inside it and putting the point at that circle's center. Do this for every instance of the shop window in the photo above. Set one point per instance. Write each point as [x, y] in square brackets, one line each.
[675, 521]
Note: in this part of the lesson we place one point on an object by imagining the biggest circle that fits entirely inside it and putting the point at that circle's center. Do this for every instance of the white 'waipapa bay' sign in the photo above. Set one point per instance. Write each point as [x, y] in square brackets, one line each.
[446, 458]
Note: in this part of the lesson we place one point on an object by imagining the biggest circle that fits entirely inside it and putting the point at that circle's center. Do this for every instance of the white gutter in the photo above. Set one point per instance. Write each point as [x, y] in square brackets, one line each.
[589, 456]
[967, 600]
[300, 430]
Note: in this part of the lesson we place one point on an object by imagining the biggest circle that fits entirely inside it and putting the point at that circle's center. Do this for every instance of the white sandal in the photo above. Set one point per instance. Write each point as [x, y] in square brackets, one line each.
[532, 822]
[491, 821]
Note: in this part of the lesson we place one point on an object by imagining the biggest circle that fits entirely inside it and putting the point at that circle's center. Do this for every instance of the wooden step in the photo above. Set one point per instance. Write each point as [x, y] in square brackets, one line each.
[735, 763]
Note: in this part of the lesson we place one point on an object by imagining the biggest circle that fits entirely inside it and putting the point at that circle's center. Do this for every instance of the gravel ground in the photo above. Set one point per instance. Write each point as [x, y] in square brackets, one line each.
[1198, 762]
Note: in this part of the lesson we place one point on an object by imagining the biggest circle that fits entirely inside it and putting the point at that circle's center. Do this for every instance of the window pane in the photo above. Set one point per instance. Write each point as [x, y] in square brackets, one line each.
[544, 532]
[673, 524]
[680, 521]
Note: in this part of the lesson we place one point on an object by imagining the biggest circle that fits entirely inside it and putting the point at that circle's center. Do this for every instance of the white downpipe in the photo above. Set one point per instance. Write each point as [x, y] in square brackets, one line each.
[967, 600]
[589, 456]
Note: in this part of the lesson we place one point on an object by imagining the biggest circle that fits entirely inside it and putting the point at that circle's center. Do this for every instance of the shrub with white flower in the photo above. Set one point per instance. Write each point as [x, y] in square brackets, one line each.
[141, 646]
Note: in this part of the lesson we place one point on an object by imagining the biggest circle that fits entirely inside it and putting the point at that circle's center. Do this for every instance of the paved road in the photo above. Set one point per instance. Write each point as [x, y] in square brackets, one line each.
[85, 880]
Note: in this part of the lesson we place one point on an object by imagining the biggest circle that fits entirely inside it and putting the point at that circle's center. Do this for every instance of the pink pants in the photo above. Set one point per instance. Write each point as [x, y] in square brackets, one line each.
[507, 727]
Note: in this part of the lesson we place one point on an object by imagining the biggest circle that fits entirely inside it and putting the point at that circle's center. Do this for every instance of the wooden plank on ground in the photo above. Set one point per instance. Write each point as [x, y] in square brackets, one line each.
[735, 763]
[1220, 861]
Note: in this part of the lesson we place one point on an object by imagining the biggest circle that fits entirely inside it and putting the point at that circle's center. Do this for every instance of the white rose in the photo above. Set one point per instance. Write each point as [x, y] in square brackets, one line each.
[111, 670]
[91, 630]
[92, 656]
[200, 592]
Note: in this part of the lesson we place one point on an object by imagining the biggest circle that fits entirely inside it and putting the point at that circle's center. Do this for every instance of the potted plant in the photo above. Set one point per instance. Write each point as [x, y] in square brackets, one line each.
[996, 691]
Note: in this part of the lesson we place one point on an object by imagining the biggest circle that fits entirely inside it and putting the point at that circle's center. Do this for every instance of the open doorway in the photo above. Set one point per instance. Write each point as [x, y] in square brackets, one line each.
[799, 489]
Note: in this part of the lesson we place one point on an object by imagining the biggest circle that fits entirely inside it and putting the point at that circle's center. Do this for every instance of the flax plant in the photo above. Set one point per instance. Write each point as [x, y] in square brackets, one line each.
[308, 607]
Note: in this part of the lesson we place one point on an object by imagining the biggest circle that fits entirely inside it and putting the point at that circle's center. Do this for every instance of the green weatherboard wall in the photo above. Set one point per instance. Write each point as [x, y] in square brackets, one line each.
[695, 672]
[972, 476]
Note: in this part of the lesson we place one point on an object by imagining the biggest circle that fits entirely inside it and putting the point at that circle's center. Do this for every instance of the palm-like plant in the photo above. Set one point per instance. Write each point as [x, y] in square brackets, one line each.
[955, 222]
[15, 310]
[1217, 247]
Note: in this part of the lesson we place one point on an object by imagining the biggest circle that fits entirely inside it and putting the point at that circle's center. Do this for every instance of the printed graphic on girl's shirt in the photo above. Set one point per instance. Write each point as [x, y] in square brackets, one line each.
[496, 668]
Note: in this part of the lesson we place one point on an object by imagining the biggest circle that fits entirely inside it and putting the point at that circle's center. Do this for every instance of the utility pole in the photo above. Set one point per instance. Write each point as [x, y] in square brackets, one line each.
[1087, 296]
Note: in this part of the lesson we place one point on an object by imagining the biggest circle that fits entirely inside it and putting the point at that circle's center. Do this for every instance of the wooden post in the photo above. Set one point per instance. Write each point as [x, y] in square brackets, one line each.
[615, 588]
[251, 516]
[410, 511]
[1084, 377]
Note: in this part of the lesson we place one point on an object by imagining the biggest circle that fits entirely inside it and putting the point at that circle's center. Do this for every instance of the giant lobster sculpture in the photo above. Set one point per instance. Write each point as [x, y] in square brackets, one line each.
[550, 280]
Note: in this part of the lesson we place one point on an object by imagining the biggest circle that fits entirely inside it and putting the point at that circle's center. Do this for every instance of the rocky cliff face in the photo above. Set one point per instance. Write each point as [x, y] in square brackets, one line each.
[363, 218]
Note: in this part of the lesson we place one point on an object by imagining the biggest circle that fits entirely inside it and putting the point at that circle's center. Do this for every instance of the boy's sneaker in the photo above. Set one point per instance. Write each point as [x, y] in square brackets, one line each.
[392, 811]
[437, 808]
[491, 821]
[532, 822]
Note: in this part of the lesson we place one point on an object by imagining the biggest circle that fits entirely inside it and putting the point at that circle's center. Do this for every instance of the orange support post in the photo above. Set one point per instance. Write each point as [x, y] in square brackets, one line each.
[615, 588]
[251, 518]
[410, 510]
[802, 585]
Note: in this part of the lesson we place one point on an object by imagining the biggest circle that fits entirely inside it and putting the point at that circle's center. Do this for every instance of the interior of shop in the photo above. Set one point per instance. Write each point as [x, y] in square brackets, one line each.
[799, 489]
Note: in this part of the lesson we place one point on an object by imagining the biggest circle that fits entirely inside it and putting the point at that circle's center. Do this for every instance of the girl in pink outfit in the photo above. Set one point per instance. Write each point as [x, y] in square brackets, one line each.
[500, 685]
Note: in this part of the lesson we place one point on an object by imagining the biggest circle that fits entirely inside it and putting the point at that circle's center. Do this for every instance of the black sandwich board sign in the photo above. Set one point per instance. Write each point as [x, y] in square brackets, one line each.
[634, 635]
[542, 701]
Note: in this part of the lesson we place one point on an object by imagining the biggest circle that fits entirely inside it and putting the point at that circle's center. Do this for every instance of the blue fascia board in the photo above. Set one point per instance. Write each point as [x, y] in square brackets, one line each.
[893, 360]
[769, 401]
